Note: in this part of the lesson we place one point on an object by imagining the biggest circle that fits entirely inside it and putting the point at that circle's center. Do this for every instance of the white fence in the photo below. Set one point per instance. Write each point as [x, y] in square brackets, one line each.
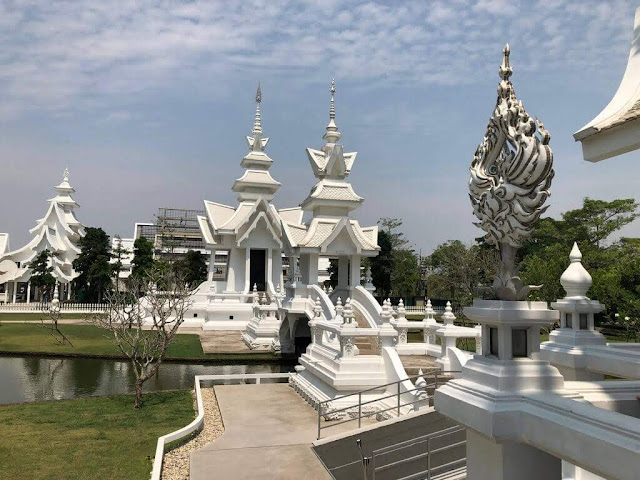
[439, 310]
[65, 307]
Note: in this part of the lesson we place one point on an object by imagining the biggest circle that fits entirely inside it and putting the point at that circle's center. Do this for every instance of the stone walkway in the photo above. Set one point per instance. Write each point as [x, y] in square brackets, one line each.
[175, 465]
[268, 434]
[222, 341]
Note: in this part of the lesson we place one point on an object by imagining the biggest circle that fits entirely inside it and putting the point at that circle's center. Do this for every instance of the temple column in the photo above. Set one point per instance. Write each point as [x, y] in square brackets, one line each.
[247, 270]
[489, 460]
[270, 287]
[212, 261]
[15, 291]
[354, 271]
[343, 272]
[28, 292]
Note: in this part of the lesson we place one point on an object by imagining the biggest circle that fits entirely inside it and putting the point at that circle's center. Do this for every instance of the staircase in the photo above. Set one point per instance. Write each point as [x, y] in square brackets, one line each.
[398, 449]
[366, 345]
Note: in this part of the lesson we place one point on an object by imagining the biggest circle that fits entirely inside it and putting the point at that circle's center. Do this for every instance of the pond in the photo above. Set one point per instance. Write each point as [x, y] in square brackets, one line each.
[29, 379]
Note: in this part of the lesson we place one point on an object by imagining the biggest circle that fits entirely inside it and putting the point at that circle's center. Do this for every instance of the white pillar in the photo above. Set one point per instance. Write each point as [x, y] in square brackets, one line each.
[212, 261]
[354, 268]
[28, 292]
[247, 270]
[15, 291]
[343, 272]
[313, 269]
[488, 460]
[269, 274]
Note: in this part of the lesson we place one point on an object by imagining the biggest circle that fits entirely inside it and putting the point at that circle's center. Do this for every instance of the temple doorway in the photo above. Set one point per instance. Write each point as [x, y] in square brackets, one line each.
[258, 269]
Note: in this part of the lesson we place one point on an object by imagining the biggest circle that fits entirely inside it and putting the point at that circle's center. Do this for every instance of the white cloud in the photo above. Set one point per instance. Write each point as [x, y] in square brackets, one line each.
[66, 54]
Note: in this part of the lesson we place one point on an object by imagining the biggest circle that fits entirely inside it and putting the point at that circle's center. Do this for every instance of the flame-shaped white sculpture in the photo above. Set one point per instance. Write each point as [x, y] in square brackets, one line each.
[511, 174]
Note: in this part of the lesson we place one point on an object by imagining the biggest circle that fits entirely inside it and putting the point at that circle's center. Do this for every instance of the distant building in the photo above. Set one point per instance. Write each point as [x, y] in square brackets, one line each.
[59, 232]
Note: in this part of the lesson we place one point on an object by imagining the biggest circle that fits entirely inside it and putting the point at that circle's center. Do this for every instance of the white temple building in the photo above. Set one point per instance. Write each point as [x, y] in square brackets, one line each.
[59, 232]
[329, 233]
[251, 236]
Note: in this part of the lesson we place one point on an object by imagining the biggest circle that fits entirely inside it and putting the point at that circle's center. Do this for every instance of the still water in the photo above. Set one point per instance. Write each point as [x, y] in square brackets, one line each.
[29, 379]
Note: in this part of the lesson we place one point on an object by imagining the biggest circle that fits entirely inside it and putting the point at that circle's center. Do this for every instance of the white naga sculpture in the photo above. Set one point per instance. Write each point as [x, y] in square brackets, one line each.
[511, 174]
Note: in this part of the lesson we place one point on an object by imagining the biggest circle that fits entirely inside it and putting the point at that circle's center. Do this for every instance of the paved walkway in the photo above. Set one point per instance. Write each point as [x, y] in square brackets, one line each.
[222, 341]
[268, 434]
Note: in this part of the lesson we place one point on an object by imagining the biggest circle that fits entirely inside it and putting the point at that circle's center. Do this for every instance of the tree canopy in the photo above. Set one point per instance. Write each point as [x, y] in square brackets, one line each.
[192, 268]
[142, 257]
[459, 271]
[93, 264]
[42, 271]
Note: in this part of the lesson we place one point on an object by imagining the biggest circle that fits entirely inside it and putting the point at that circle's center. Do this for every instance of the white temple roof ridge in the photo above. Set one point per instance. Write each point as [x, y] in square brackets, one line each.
[614, 130]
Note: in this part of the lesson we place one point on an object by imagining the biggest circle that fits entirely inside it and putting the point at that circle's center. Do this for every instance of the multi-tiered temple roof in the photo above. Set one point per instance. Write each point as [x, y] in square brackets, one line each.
[331, 200]
[255, 188]
[58, 231]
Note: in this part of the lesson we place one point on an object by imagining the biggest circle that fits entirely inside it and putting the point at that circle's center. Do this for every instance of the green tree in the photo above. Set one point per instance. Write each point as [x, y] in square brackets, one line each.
[142, 257]
[42, 272]
[459, 272]
[614, 267]
[390, 226]
[193, 268]
[406, 273]
[117, 253]
[382, 266]
[93, 264]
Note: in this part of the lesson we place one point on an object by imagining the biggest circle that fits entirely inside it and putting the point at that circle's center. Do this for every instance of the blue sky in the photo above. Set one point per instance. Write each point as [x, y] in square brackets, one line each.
[148, 102]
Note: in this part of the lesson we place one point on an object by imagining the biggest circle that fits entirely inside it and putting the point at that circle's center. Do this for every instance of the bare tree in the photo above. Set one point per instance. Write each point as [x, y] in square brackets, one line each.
[143, 327]
[53, 314]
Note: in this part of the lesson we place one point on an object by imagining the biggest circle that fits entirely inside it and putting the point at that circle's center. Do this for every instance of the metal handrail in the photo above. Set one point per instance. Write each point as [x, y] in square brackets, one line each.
[432, 372]
[424, 474]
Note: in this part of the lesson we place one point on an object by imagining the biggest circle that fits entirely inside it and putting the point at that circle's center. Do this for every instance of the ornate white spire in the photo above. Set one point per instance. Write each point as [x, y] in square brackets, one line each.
[332, 135]
[257, 124]
[575, 280]
[510, 178]
[256, 180]
[65, 178]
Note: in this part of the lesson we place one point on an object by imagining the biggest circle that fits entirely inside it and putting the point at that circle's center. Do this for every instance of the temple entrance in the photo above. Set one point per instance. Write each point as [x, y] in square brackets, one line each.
[302, 336]
[258, 269]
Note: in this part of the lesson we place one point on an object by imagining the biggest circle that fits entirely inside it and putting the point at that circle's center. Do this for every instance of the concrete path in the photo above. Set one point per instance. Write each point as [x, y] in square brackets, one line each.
[223, 341]
[268, 434]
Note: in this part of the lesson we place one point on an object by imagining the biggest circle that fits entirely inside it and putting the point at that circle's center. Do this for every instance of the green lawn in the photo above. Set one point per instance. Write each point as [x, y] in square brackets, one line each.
[88, 438]
[91, 340]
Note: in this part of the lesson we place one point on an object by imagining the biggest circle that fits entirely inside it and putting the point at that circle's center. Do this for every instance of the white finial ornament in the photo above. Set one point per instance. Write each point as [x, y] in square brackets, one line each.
[332, 135]
[66, 174]
[575, 280]
[448, 317]
[339, 309]
[257, 124]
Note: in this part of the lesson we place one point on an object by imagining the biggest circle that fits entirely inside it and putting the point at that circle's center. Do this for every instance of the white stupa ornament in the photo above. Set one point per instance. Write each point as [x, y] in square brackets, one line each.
[575, 280]
[332, 135]
[256, 181]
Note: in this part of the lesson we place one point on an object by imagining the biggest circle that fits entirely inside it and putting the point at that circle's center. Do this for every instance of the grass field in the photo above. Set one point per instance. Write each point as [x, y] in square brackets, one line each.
[88, 438]
[90, 340]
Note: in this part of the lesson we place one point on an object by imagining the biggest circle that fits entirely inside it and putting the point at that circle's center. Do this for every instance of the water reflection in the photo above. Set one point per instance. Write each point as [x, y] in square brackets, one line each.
[28, 379]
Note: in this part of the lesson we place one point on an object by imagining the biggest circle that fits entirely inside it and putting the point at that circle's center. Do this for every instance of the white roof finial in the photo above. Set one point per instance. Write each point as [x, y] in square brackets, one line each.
[505, 68]
[332, 135]
[332, 109]
[257, 124]
[66, 174]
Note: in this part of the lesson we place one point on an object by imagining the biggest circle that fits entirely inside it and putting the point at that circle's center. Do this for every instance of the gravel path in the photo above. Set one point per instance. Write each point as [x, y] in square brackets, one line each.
[176, 462]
